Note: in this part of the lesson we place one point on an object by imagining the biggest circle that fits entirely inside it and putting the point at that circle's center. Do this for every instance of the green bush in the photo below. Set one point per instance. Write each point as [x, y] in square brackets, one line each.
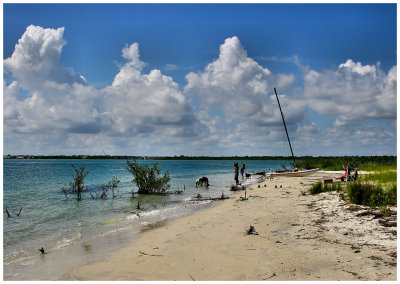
[374, 195]
[113, 184]
[321, 187]
[384, 176]
[392, 194]
[355, 192]
[148, 180]
[365, 163]
[336, 187]
[316, 188]
[78, 184]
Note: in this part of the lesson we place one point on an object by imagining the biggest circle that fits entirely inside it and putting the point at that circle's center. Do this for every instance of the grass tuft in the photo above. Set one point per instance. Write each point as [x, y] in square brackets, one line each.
[388, 176]
[370, 194]
[376, 189]
[321, 187]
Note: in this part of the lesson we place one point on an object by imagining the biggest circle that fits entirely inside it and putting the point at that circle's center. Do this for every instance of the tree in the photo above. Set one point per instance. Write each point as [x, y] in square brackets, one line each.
[113, 184]
[148, 180]
[78, 184]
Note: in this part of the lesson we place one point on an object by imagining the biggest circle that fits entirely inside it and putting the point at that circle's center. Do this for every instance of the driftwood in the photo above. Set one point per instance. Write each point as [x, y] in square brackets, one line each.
[133, 212]
[251, 231]
[270, 276]
[200, 198]
[9, 215]
[150, 254]
[237, 187]
[257, 196]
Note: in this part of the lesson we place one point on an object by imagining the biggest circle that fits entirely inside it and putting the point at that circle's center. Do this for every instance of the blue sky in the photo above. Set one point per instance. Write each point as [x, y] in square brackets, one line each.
[197, 79]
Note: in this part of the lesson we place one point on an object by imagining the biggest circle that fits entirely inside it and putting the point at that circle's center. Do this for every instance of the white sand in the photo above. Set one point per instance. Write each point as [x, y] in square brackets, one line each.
[300, 237]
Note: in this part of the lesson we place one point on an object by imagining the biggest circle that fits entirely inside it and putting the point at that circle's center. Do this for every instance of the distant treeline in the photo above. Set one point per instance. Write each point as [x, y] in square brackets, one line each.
[306, 162]
[124, 157]
[336, 163]
[73, 157]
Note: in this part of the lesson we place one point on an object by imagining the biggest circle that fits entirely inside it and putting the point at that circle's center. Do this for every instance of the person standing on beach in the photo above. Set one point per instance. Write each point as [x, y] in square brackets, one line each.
[236, 173]
[242, 170]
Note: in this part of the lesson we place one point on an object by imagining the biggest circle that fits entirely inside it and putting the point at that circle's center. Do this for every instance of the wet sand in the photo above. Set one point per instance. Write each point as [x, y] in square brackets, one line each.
[296, 236]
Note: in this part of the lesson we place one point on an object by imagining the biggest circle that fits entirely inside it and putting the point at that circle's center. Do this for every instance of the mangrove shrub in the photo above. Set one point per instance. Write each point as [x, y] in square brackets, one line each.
[78, 184]
[149, 179]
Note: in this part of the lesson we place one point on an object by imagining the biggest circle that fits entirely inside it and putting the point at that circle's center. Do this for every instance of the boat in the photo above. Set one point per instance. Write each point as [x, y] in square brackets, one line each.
[293, 172]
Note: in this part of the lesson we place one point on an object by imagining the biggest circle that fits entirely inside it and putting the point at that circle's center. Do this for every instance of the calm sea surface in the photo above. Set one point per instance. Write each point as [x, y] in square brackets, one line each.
[74, 233]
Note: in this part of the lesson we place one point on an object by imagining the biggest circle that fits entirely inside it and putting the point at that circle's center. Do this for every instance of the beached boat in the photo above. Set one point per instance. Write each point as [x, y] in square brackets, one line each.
[287, 173]
[294, 173]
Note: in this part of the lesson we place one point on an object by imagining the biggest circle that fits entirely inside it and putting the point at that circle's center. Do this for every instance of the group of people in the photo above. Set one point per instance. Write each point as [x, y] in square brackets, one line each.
[203, 181]
[236, 165]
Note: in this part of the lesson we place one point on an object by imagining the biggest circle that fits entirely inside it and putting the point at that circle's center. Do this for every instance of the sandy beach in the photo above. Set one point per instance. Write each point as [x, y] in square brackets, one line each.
[296, 236]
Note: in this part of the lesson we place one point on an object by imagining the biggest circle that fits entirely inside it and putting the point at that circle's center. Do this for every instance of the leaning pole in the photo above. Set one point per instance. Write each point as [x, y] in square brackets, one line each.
[284, 124]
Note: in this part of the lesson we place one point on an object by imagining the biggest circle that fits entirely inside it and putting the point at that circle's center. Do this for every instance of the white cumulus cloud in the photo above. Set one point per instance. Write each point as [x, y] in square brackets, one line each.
[44, 96]
[36, 59]
[227, 108]
[148, 103]
[243, 91]
[239, 85]
[362, 100]
[46, 102]
[355, 93]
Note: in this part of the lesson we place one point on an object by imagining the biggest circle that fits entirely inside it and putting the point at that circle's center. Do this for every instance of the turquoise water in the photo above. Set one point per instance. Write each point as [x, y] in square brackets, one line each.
[48, 219]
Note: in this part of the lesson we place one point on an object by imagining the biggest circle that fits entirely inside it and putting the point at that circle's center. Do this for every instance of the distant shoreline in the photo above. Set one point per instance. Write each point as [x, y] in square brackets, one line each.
[124, 157]
[181, 157]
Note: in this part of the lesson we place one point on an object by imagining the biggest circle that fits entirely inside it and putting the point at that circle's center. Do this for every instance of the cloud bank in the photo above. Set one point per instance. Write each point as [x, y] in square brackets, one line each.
[242, 90]
[362, 98]
[355, 93]
[229, 108]
[52, 103]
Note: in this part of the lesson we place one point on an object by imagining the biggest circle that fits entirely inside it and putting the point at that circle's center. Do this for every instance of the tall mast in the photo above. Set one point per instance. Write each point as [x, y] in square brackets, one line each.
[284, 124]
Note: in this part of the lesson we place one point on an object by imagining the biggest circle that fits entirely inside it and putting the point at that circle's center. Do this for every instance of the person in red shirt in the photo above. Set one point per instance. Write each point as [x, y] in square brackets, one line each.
[236, 173]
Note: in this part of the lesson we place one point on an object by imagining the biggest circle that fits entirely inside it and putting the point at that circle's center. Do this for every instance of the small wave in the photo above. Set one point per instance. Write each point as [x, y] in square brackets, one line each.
[26, 258]
[133, 216]
[11, 274]
[121, 229]
[152, 212]
[67, 241]
[112, 221]
[186, 202]
[21, 258]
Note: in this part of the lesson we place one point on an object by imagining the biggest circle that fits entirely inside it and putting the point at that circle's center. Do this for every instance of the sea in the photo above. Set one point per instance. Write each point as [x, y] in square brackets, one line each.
[74, 233]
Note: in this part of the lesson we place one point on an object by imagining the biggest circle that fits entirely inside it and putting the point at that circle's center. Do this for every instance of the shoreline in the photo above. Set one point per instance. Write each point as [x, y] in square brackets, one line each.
[293, 242]
[97, 235]
[57, 262]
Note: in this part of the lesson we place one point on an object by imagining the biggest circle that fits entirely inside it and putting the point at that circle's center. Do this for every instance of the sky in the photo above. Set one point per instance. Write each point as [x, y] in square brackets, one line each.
[199, 79]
